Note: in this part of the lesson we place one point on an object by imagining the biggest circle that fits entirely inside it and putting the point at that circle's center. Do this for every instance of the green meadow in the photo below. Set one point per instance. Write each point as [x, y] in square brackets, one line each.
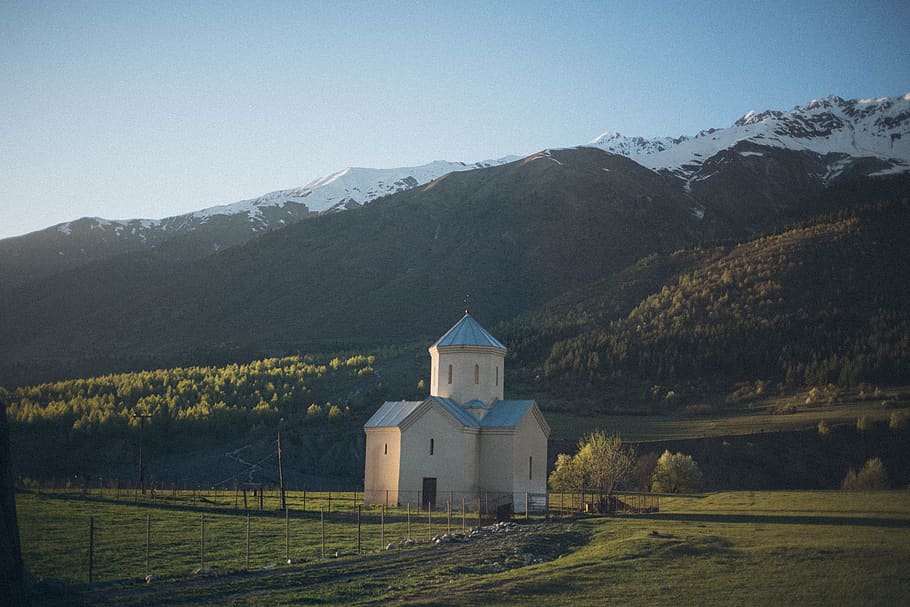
[728, 548]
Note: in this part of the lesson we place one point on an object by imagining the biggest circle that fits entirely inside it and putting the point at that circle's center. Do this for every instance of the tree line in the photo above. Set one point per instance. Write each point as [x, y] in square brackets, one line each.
[222, 401]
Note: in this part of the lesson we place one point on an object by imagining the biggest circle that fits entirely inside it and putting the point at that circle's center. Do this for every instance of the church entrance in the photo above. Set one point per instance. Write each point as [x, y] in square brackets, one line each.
[429, 493]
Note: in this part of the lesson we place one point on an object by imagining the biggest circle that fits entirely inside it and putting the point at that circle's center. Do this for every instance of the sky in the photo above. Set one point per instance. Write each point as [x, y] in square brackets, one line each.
[152, 109]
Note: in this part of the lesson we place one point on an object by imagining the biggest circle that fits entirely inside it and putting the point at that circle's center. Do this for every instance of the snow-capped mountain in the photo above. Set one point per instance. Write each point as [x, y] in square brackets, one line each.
[832, 127]
[344, 189]
[749, 172]
[192, 235]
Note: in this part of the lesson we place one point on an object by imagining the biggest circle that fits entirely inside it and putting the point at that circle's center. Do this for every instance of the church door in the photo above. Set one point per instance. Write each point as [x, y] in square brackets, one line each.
[429, 493]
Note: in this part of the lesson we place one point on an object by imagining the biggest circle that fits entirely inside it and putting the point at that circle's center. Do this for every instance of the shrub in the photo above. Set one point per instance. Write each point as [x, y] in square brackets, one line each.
[863, 424]
[872, 476]
[898, 420]
[823, 429]
[676, 473]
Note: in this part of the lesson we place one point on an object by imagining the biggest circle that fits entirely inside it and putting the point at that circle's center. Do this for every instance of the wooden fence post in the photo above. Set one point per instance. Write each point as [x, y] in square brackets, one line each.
[91, 548]
[202, 544]
[148, 542]
[287, 536]
[382, 528]
[322, 525]
[409, 520]
[247, 541]
[359, 513]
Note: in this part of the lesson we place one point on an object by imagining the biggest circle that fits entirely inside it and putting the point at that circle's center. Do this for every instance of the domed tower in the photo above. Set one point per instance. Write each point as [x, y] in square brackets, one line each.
[467, 363]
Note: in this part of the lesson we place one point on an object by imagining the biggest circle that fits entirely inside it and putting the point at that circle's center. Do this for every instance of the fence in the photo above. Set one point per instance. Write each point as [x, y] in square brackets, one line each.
[84, 534]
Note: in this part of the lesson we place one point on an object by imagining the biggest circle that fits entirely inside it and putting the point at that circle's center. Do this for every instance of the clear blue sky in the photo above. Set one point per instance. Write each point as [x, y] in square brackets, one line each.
[150, 109]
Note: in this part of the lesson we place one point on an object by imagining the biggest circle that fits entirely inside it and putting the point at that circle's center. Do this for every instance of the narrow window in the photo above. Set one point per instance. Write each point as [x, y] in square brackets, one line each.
[450, 374]
[476, 374]
[497, 376]
[431, 446]
[386, 449]
[530, 467]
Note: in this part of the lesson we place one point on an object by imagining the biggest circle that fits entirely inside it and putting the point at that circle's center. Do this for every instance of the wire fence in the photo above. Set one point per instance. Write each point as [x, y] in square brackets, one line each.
[83, 534]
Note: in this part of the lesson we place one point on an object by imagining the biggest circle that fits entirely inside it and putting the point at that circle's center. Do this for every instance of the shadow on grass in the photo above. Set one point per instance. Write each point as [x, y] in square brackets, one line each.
[897, 523]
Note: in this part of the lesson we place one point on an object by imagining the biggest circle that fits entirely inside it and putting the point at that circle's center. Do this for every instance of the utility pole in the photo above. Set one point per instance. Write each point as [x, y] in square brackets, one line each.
[281, 475]
[142, 417]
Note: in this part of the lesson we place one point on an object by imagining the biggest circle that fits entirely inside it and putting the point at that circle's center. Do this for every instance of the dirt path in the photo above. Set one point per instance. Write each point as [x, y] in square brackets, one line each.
[410, 574]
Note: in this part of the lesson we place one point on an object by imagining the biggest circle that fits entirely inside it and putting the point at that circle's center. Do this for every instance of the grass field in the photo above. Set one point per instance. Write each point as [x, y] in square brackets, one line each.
[733, 548]
[732, 420]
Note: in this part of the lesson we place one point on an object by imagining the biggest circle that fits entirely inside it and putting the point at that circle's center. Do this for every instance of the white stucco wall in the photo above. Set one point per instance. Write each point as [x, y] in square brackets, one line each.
[496, 465]
[382, 466]
[451, 462]
[490, 376]
[530, 441]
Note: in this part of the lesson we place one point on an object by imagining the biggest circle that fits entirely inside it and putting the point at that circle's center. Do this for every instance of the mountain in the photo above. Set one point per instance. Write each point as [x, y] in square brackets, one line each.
[515, 235]
[825, 302]
[512, 236]
[834, 128]
[193, 235]
[754, 171]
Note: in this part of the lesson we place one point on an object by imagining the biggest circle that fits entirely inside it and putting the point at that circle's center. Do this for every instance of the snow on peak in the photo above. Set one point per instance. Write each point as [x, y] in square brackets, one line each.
[349, 187]
[860, 128]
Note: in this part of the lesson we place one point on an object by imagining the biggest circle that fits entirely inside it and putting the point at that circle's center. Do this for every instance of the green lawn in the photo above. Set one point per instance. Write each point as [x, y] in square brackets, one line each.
[730, 548]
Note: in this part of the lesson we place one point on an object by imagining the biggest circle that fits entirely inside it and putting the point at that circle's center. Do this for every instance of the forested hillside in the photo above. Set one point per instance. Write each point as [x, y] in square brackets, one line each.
[191, 415]
[824, 302]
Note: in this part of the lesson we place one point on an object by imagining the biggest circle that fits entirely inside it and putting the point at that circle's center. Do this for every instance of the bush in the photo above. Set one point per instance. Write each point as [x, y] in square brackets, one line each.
[676, 473]
[823, 429]
[863, 424]
[871, 477]
[898, 420]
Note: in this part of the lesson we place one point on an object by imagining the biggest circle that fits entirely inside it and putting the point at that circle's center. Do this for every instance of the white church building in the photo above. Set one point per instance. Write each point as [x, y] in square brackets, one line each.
[464, 444]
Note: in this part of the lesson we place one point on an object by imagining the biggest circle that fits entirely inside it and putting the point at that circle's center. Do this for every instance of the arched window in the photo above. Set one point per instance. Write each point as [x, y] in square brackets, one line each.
[476, 374]
[450, 374]
[530, 467]
[431, 446]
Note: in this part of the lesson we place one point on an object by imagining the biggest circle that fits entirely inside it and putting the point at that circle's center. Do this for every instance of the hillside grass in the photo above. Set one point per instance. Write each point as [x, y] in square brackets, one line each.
[739, 420]
[746, 548]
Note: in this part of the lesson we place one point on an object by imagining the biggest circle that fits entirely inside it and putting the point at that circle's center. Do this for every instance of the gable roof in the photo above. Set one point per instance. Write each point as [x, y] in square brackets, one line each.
[468, 332]
[506, 413]
[392, 413]
[500, 414]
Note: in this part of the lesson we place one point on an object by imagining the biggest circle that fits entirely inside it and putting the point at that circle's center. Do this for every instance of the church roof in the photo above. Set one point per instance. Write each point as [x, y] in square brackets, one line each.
[501, 413]
[392, 413]
[468, 332]
[506, 413]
